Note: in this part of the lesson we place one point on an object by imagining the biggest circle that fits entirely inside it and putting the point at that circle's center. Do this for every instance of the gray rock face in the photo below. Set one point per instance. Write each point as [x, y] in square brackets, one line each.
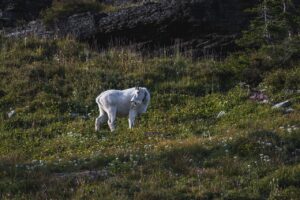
[33, 28]
[80, 26]
[198, 26]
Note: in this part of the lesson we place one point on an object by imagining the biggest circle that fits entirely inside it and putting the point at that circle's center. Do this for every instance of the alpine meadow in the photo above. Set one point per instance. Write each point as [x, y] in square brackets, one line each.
[224, 117]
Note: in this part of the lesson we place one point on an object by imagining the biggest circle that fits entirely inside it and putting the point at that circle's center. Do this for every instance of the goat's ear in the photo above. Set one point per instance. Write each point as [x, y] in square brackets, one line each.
[137, 88]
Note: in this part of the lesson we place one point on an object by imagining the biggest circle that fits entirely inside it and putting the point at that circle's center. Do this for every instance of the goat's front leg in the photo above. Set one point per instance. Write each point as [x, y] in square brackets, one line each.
[112, 118]
[132, 115]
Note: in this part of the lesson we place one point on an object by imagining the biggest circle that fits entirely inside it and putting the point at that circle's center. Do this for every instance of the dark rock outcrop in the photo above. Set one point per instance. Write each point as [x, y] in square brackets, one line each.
[198, 27]
[13, 12]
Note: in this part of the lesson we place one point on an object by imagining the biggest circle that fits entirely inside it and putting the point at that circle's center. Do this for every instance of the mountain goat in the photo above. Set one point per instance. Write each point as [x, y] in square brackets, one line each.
[130, 102]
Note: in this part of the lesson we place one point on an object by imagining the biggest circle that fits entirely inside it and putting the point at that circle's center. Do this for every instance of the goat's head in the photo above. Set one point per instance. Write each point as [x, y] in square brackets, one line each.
[139, 95]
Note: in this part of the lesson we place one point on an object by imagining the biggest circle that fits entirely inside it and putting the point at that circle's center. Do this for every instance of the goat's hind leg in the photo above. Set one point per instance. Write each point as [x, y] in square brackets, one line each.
[101, 119]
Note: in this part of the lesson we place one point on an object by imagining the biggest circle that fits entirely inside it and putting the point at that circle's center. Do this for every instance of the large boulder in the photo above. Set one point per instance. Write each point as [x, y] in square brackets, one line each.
[198, 27]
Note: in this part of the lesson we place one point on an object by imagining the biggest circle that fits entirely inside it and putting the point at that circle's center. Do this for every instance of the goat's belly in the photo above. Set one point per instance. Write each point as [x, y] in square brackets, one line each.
[122, 112]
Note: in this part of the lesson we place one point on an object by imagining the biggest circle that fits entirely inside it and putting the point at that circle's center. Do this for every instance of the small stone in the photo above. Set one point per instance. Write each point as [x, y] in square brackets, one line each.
[289, 110]
[283, 104]
[221, 114]
[265, 101]
[259, 96]
[11, 113]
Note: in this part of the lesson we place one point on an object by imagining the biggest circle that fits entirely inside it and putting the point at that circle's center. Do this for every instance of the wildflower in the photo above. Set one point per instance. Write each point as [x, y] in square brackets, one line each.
[261, 155]
[268, 144]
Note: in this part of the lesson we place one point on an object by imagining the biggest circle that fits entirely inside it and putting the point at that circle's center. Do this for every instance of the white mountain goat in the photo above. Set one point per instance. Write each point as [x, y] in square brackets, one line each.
[130, 102]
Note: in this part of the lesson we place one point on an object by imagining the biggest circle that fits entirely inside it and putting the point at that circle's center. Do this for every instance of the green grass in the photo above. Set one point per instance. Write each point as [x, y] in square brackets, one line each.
[179, 149]
[66, 8]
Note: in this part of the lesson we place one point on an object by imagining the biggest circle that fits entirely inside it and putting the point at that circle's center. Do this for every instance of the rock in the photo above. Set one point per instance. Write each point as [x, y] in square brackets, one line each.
[289, 110]
[283, 104]
[197, 27]
[34, 28]
[259, 96]
[11, 113]
[221, 114]
[80, 26]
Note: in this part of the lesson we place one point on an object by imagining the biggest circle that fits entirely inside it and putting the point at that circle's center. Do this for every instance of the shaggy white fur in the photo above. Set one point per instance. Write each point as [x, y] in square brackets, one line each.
[130, 102]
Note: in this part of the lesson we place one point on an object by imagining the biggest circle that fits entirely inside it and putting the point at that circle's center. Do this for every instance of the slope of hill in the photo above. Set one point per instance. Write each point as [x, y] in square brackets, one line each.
[180, 149]
[211, 131]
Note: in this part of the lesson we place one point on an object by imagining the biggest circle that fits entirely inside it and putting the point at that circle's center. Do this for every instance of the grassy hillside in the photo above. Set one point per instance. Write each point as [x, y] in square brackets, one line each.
[179, 149]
